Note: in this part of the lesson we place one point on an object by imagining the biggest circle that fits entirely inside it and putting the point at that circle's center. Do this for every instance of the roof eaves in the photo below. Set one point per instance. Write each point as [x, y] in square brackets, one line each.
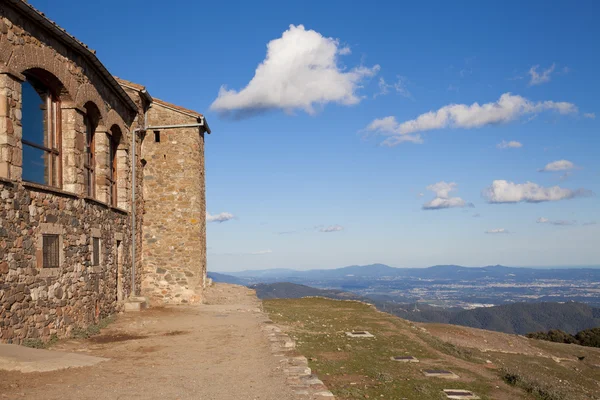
[71, 41]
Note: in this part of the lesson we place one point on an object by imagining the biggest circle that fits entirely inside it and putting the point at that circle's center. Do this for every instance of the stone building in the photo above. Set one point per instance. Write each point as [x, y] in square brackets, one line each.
[102, 195]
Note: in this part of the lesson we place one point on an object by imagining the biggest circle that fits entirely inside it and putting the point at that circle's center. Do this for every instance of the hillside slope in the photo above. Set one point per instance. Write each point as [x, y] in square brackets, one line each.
[492, 365]
[519, 318]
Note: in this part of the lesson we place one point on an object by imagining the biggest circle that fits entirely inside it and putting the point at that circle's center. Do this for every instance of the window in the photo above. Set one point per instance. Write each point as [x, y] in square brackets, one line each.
[112, 170]
[157, 136]
[40, 119]
[50, 251]
[95, 251]
[90, 161]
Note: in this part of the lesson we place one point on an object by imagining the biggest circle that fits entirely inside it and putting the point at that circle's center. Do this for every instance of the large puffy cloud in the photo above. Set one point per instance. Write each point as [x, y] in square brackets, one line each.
[442, 197]
[502, 191]
[560, 165]
[222, 217]
[301, 70]
[508, 108]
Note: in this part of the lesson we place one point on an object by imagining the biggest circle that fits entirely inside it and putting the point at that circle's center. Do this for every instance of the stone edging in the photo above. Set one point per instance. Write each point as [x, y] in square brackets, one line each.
[300, 378]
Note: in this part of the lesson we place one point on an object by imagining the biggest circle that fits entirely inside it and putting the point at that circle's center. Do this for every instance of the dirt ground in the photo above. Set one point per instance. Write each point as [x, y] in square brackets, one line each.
[209, 351]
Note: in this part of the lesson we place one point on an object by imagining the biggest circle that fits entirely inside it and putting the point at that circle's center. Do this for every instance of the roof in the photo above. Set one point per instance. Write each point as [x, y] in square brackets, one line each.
[191, 113]
[72, 42]
[162, 103]
[130, 84]
[174, 107]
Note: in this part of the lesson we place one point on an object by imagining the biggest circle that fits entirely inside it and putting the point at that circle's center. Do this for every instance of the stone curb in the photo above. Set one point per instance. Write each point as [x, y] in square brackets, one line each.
[300, 378]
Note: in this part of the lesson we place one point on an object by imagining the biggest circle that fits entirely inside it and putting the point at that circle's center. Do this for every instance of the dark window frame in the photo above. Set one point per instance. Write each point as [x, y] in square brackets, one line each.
[50, 250]
[96, 251]
[52, 134]
[112, 171]
[90, 157]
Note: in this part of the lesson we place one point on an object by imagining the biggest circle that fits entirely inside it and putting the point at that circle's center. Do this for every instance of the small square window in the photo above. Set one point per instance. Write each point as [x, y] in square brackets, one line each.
[95, 251]
[50, 251]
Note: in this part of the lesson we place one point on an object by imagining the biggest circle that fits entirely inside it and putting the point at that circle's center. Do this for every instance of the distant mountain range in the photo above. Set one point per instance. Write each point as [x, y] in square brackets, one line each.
[518, 318]
[441, 272]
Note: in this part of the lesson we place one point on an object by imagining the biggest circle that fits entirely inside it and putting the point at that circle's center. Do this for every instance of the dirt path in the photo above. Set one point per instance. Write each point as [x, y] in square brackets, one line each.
[210, 351]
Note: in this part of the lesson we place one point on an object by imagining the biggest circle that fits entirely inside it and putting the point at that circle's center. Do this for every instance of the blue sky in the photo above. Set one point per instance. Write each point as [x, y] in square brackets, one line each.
[300, 153]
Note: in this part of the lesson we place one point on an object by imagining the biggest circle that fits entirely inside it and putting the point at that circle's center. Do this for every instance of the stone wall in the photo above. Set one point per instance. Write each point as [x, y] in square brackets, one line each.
[174, 233]
[38, 302]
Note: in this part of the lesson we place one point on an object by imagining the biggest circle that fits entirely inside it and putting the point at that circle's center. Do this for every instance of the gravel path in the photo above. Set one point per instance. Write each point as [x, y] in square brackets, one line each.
[209, 351]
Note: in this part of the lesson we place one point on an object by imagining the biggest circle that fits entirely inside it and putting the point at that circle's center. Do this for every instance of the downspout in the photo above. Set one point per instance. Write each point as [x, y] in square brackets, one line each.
[133, 185]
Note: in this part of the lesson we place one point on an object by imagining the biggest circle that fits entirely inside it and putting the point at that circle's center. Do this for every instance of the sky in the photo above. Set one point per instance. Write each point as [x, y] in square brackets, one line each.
[405, 134]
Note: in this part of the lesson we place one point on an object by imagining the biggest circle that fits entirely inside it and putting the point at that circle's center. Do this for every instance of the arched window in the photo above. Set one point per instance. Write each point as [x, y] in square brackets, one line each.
[41, 131]
[91, 123]
[113, 139]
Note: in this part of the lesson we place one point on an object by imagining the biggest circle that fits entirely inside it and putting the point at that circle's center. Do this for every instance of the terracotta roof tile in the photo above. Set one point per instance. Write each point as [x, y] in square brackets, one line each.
[176, 107]
[134, 85]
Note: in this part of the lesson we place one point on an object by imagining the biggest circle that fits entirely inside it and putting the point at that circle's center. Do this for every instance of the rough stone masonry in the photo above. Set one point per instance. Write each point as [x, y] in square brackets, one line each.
[68, 133]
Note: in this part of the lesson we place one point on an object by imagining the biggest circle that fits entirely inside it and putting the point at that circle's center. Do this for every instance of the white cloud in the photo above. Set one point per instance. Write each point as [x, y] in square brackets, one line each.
[442, 197]
[589, 223]
[399, 87]
[476, 215]
[222, 217]
[539, 78]
[332, 228]
[513, 144]
[502, 191]
[559, 222]
[560, 165]
[261, 252]
[508, 108]
[301, 70]
[589, 115]
[497, 231]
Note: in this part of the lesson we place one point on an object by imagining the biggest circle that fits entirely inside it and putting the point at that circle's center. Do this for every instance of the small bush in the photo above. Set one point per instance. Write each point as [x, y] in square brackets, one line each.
[92, 330]
[540, 390]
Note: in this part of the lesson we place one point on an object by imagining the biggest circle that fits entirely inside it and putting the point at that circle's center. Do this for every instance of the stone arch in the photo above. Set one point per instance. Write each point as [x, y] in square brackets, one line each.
[114, 120]
[87, 94]
[42, 59]
[49, 80]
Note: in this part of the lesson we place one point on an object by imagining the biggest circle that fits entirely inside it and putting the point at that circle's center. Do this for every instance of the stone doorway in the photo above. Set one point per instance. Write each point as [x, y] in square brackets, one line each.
[119, 261]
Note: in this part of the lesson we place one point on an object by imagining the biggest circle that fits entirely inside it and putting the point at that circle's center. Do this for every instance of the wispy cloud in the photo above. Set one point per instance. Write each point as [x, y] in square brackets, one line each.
[287, 232]
[513, 144]
[300, 71]
[558, 222]
[560, 165]
[497, 231]
[442, 197]
[502, 191]
[261, 252]
[539, 78]
[589, 115]
[332, 228]
[508, 108]
[398, 87]
[589, 223]
[476, 215]
[222, 217]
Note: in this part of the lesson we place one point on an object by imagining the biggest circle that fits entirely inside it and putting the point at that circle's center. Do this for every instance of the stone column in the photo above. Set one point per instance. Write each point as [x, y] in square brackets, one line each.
[123, 177]
[73, 148]
[102, 156]
[11, 148]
